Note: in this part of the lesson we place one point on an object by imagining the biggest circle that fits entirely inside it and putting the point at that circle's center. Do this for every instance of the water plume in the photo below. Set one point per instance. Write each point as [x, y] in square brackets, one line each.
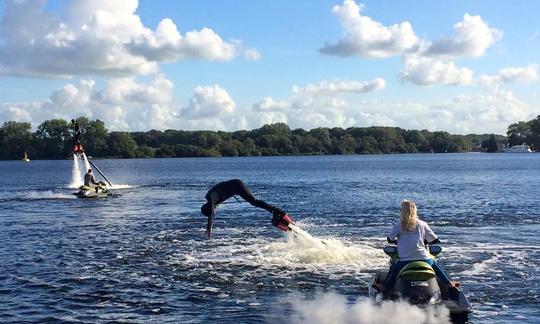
[76, 176]
[86, 163]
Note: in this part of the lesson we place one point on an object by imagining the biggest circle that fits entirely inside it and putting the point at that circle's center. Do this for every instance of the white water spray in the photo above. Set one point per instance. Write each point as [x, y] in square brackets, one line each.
[86, 164]
[76, 176]
[335, 308]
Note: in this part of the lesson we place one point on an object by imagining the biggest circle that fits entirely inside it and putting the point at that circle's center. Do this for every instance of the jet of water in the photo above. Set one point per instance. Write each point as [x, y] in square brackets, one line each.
[86, 164]
[76, 177]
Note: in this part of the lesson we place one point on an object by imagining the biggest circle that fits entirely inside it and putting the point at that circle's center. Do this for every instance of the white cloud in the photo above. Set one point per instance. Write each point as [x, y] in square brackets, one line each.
[426, 71]
[269, 104]
[366, 37]
[472, 38]
[96, 37]
[209, 102]
[125, 104]
[433, 63]
[252, 54]
[343, 86]
[122, 104]
[512, 74]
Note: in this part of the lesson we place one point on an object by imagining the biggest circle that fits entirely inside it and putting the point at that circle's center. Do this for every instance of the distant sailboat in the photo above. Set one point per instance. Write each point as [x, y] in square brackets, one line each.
[25, 158]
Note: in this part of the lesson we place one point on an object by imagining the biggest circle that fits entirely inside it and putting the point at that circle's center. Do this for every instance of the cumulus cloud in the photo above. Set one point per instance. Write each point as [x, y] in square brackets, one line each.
[209, 102]
[123, 104]
[366, 37]
[481, 113]
[269, 104]
[433, 64]
[97, 37]
[343, 86]
[512, 74]
[425, 71]
[425, 62]
[314, 105]
[472, 38]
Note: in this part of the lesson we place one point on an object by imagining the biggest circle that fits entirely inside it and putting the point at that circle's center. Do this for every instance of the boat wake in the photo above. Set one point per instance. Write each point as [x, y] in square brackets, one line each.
[36, 195]
[121, 186]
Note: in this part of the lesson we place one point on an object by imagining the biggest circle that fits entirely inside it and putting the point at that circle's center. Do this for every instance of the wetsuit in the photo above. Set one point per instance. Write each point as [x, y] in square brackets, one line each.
[77, 135]
[235, 187]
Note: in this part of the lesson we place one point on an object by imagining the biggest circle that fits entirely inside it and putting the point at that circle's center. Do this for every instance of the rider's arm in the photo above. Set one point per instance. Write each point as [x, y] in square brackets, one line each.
[392, 237]
[430, 235]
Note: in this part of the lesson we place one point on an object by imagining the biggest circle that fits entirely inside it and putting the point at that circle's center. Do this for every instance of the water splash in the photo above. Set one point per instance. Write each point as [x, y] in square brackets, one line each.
[86, 163]
[76, 176]
[301, 249]
[334, 308]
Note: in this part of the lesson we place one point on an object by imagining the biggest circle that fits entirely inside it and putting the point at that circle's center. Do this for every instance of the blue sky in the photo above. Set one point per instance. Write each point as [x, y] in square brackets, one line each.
[385, 63]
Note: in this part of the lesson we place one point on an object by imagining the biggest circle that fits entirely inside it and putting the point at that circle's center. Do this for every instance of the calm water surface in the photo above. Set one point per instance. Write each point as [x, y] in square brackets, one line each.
[142, 256]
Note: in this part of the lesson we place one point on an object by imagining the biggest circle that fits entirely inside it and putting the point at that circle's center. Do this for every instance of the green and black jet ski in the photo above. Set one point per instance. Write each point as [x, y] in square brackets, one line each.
[98, 191]
[418, 284]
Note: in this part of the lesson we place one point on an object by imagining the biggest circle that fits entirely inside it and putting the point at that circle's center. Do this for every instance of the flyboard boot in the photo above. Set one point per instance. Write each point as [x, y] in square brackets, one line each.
[281, 220]
[78, 149]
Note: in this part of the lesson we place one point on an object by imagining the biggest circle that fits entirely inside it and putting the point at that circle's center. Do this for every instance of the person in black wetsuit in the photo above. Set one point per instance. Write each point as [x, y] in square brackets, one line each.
[77, 146]
[235, 187]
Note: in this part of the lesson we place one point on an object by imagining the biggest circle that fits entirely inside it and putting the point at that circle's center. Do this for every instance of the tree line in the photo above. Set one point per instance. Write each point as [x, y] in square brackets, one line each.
[53, 140]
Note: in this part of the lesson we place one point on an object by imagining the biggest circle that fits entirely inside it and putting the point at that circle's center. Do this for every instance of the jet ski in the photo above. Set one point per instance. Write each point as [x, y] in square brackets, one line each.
[99, 191]
[418, 284]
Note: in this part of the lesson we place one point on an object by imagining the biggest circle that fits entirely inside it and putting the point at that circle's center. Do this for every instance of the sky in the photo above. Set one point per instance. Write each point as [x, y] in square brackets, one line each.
[460, 66]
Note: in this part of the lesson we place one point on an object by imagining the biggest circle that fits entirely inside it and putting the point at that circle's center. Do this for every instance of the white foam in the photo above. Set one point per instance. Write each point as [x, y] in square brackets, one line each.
[121, 186]
[46, 195]
[293, 252]
[308, 250]
[334, 308]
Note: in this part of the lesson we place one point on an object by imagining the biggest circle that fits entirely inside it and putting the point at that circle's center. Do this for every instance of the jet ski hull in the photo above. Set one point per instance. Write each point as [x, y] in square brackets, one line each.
[91, 192]
[424, 291]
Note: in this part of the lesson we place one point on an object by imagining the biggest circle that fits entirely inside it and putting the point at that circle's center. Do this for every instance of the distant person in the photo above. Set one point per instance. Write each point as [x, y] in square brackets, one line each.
[225, 190]
[77, 146]
[410, 234]
[89, 179]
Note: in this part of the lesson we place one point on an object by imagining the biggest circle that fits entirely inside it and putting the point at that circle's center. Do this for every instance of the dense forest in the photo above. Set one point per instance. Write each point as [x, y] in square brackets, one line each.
[53, 140]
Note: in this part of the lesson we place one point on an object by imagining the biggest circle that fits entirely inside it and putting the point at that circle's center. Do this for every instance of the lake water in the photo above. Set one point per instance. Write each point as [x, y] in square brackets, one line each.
[142, 255]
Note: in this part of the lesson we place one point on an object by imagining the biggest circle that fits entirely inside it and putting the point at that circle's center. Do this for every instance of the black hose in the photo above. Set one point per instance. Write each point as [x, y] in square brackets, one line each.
[98, 170]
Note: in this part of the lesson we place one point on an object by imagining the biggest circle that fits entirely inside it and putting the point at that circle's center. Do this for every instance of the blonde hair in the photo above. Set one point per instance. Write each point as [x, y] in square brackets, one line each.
[408, 215]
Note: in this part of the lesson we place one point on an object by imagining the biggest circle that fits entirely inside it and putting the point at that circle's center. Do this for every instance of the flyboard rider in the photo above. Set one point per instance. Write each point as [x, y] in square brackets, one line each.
[235, 187]
[77, 146]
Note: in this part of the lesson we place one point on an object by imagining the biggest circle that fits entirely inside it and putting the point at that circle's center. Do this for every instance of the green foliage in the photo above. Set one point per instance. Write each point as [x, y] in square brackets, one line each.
[490, 145]
[15, 139]
[53, 140]
[121, 144]
[525, 133]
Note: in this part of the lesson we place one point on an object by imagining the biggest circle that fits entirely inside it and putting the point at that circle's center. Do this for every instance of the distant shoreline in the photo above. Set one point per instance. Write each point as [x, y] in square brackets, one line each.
[260, 156]
[53, 139]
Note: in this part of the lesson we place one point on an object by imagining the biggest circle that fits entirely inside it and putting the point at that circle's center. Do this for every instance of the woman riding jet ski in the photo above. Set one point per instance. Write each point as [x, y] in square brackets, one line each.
[414, 274]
